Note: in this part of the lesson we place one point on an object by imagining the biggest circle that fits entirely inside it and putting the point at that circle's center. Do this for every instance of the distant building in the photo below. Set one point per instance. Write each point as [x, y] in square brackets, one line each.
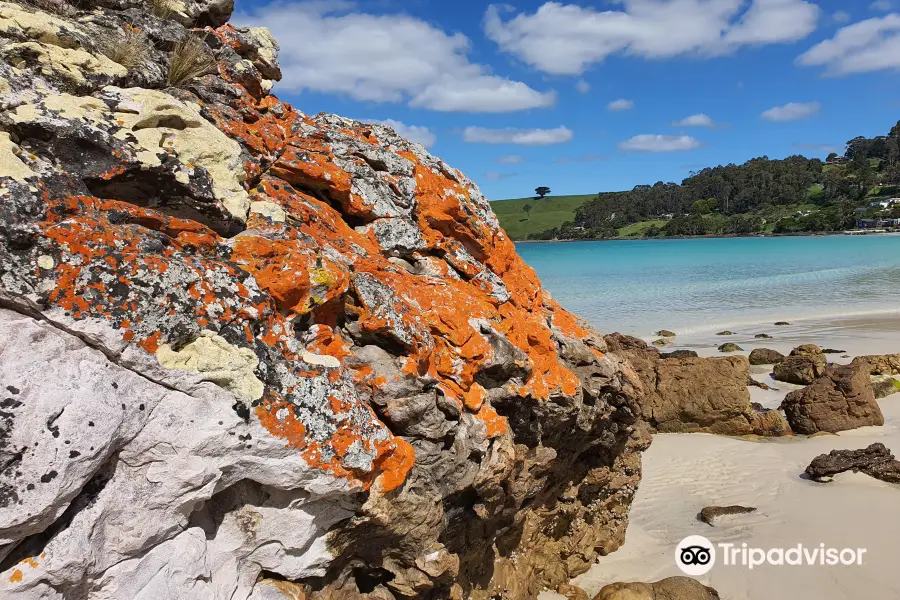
[668, 216]
[804, 213]
[838, 160]
[877, 223]
[885, 203]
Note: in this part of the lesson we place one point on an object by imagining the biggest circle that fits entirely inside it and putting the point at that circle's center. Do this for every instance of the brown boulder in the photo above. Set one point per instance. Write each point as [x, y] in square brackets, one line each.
[881, 364]
[673, 588]
[709, 514]
[841, 399]
[875, 461]
[686, 395]
[765, 356]
[804, 365]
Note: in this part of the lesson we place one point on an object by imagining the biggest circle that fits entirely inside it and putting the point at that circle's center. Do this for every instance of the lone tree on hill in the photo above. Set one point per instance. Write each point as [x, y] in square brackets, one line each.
[542, 191]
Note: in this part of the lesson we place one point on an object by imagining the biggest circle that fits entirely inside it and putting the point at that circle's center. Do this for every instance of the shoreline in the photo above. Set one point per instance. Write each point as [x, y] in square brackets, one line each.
[684, 473]
[861, 233]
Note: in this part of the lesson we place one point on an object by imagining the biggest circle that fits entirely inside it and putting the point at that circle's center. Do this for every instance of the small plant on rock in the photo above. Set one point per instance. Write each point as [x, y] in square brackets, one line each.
[130, 47]
[191, 59]
[162, 9]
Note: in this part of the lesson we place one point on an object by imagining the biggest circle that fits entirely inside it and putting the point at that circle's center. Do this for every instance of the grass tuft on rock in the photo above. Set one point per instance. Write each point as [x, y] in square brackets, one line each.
[162, 9]
[191, 59]
[130, 47]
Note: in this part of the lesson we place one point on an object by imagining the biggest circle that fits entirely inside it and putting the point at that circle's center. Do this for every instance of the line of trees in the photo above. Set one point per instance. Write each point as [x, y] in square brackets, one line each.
[729, 199]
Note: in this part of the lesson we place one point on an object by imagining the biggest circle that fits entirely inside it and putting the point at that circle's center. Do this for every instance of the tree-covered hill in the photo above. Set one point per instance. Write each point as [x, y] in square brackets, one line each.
[794, 194]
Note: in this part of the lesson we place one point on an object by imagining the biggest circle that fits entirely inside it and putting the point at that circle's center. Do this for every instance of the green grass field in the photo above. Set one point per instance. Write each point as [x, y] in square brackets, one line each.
[639, 229]
[545, 213]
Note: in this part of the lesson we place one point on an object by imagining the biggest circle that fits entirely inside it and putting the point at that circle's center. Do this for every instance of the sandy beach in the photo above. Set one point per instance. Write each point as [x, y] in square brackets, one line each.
[684, 473]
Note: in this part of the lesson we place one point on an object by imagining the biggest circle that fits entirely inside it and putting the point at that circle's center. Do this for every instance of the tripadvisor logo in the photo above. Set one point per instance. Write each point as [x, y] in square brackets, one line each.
[695, 555]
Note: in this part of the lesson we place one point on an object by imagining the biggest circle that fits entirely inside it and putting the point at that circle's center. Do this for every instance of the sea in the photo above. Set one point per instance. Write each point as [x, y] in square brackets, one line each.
[701, 285]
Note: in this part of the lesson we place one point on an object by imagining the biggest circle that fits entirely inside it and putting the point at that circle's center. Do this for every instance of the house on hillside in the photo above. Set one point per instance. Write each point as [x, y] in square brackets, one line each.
[877, 223]
[804, 213]
[837, 160]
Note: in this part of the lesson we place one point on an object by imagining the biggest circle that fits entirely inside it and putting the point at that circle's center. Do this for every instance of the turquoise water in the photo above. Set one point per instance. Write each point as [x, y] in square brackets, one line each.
[696, 285]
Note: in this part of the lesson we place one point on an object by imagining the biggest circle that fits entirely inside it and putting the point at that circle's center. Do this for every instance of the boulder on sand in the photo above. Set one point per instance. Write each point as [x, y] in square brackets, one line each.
[763, 336]
[709, 514]
[841, 399]
[781, 323]
[875, 461]
[726, 332]
[730, 347]
[673, 588]
[804, 365]
[881, 364]
[665, 333]
[765, 356]
[686, 395]
[885, 385]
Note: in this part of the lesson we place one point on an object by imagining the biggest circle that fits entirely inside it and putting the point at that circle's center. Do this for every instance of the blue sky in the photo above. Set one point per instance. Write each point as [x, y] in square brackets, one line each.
[595, 95]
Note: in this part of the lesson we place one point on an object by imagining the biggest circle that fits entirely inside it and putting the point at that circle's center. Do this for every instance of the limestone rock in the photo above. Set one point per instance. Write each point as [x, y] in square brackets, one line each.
[842, 398]
[673, 588]
[765, 356]
[876, 461]
[250, 353]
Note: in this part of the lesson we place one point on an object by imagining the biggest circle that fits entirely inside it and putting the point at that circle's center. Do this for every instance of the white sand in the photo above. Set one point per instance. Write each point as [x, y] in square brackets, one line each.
[683, 473]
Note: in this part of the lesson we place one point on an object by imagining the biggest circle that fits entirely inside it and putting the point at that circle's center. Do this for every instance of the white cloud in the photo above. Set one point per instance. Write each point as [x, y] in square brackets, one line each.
[620, 104]
[870, 45]
[414, 133]
[583, 86]
[841, 17]
[566, 39]
[882, 5]
[510, 159]
[660, 143]
[793, 111]
[330, 47]
[522, 137]
[496, 176]
[699, 120]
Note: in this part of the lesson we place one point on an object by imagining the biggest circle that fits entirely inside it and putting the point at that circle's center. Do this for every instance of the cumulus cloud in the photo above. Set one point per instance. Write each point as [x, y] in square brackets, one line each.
[414, 133]
[870, 45]
[331, 47]
[881, 5]
[699, 120]
[793, 111]
[510, 159]
[583, 86]
[567, 39]
[660, 143]
[620, 104]
[522, 137]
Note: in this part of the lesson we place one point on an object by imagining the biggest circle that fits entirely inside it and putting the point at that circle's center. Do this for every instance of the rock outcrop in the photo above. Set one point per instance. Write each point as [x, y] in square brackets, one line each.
[803, 366]
[881, 364]
[876, 461]
[686, 395]
[839, 400]
[246, 352]
[672, 588]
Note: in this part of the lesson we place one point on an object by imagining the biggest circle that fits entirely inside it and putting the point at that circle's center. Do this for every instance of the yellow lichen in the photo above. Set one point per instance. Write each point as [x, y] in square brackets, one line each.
[10, 164]
[215, 360]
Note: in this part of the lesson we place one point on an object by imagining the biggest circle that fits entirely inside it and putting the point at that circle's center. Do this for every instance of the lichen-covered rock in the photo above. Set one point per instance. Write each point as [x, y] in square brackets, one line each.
[245, 351]
[881, 364]
[841, 399]
[685, 395]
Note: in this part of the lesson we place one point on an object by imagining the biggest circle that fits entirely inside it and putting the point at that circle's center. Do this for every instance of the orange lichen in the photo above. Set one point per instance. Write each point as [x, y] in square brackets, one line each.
[16, 576]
